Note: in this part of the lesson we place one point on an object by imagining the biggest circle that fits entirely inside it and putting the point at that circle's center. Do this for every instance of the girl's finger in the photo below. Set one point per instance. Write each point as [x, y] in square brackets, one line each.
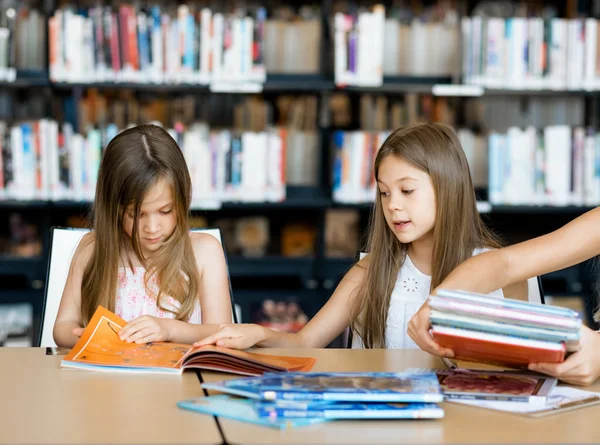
[141, 333]
[148, 338]
[429, 345]
[132, 327]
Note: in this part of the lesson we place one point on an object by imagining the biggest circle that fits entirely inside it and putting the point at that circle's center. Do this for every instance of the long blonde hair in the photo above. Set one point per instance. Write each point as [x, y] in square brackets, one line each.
[132, 163]
[435, 149]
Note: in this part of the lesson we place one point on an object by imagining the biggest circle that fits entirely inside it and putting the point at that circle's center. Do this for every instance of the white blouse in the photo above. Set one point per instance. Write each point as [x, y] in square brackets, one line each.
[410, 292]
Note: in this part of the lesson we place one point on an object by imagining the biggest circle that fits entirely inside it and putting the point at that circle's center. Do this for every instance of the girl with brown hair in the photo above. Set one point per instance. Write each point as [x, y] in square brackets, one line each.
[424, 224]
[140, 260]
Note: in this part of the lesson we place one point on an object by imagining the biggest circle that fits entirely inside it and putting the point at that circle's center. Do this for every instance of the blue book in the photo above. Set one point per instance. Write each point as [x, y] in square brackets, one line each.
[356, 411]
[352, 387]
[249, 387]
[239, 409]
[246, 387]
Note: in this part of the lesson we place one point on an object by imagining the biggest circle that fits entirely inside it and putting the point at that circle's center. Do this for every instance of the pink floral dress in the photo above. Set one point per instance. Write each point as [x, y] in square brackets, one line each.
[133, 300]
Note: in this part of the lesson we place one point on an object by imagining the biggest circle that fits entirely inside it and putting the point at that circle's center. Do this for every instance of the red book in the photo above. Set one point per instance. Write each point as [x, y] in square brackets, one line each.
[497, 349]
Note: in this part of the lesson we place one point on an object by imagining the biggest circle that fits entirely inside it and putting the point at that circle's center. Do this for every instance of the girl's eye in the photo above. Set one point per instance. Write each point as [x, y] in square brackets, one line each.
[166, 212]
[384, 194]
[407, 192]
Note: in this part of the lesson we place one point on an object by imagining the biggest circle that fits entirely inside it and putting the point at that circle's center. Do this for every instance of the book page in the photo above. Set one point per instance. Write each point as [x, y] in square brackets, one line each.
[100, 345]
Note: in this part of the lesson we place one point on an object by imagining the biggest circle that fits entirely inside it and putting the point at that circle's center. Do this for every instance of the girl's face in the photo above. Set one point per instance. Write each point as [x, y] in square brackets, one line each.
[407, 198]
[156, 221]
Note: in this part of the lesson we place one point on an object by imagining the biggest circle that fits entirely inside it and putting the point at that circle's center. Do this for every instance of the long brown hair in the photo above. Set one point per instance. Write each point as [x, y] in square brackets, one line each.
[435, 149]
[132, 163]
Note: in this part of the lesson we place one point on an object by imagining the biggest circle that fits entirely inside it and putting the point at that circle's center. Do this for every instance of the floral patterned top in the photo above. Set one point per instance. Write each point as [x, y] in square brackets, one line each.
[133, 300]
[410, 292]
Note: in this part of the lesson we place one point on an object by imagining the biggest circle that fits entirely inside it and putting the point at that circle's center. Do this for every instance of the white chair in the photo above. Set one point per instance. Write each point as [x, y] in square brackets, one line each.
[63, 243]
[535, 294]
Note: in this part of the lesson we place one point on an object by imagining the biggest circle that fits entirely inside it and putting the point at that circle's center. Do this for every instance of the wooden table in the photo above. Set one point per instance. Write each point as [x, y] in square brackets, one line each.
[43, 404]
[461, 424]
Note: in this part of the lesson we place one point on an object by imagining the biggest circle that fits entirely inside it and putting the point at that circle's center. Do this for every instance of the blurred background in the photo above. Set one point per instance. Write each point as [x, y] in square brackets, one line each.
[280, 107]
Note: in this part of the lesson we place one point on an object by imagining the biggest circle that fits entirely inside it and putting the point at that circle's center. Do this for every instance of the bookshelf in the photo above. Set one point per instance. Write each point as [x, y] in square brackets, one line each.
[311, 279]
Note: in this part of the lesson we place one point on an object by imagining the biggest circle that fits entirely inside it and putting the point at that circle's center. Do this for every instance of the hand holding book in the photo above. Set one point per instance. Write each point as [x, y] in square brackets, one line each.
[418, 330]
[581, 367]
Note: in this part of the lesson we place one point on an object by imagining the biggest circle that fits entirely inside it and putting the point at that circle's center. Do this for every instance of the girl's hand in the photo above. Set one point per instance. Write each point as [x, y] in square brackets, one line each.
[581, 367]
[78, 332]
[145, 329]
[235, 336]
[418, 330]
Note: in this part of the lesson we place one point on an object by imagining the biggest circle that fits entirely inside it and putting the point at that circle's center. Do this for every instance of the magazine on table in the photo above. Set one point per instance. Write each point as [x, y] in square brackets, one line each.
[100, 349]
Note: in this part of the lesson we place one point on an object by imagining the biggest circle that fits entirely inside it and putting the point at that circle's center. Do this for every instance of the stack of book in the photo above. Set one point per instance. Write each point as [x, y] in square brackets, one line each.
[299, 398]
[502, 331]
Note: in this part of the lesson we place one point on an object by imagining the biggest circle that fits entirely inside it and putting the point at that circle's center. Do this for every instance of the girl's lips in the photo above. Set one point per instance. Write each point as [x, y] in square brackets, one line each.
[400, 225]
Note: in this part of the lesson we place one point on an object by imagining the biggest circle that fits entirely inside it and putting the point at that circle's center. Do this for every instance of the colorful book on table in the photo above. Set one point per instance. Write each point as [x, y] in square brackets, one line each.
[249, 387]
[242, 410]
[351, 387]
[100, 349]
[466, 384]
[343, 410]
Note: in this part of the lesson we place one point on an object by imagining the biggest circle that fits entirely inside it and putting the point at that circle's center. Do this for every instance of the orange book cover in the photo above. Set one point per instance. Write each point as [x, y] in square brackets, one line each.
[100, 349]
[514, 353]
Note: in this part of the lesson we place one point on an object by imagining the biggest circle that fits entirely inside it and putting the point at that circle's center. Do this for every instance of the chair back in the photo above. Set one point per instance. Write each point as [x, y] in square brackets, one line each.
[63, 243]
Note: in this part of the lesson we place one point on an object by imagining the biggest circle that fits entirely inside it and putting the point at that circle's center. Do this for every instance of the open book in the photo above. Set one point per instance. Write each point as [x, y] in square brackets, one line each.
[101, 349]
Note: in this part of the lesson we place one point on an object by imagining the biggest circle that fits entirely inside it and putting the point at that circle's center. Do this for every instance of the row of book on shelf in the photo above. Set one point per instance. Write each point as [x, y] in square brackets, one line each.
[367, 46]
[202, 46]
[282, 391]
[22, 40]
[195, 46]
[47, 161]
[531, 53]
[558, 165]
[187, 44]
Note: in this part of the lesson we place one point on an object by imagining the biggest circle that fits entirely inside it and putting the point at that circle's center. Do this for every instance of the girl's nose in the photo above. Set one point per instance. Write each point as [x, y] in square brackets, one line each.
[152, 225]
[394, 204]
